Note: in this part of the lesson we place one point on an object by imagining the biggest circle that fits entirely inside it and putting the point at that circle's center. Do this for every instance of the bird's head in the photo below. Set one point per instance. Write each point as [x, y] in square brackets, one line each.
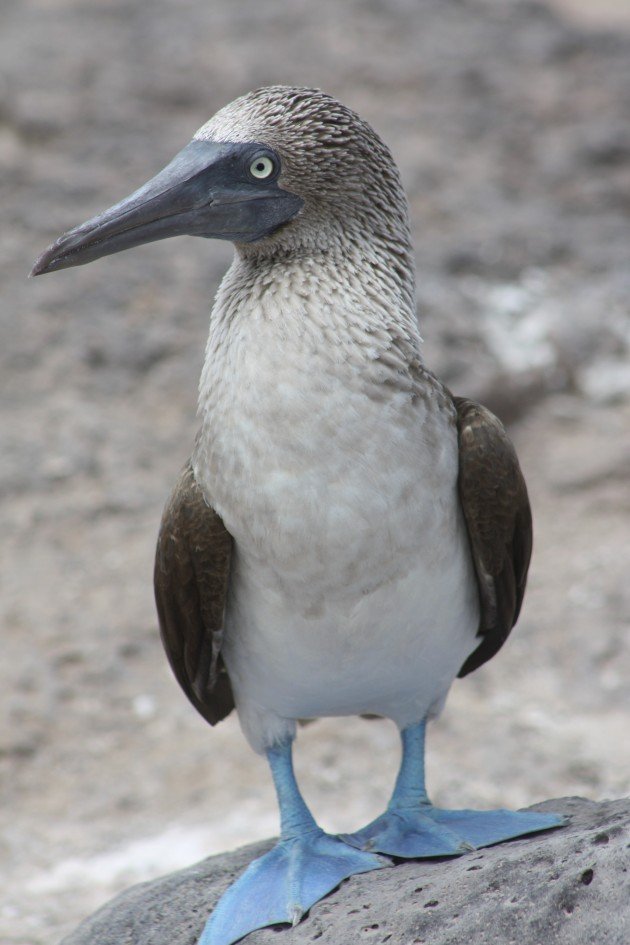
[279, 170]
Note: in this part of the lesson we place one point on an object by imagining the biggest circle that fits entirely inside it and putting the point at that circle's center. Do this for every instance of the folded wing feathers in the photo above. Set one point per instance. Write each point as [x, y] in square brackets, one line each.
[498, 518]
[191, 578]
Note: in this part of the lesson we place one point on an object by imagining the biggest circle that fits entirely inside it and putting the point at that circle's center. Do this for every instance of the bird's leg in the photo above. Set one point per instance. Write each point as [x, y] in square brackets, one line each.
[301, 869]
[410, 790]
[412, 827]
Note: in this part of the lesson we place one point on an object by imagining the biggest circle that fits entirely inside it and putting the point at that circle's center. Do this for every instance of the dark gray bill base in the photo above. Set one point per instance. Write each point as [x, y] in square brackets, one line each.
[206, 190]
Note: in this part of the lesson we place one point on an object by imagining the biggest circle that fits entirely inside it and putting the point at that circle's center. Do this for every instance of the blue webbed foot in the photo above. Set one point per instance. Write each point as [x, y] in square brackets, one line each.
[428, 831]
[412, 827]
[282, 885]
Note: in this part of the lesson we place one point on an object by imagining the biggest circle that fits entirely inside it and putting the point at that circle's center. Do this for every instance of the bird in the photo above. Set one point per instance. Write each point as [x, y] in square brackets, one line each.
[348, 536]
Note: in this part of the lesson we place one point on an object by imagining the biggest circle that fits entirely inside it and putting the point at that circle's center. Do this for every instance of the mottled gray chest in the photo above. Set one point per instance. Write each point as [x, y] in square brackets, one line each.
[319, 465]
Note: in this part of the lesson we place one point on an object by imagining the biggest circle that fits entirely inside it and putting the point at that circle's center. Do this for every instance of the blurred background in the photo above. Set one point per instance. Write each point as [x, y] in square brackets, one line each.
[511, 124]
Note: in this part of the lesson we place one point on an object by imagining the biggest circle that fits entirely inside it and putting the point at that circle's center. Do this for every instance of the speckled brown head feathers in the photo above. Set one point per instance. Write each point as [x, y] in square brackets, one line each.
[336, 162]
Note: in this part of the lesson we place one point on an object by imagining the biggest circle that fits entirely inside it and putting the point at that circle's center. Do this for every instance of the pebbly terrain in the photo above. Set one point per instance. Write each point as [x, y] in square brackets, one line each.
[510, 122]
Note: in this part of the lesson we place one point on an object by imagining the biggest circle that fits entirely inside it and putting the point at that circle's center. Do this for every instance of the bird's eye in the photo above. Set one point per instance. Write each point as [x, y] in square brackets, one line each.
[262, 167]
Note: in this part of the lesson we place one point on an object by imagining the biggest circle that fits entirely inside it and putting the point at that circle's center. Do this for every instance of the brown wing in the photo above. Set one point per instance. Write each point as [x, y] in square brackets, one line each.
[498, 517]
[191, 577]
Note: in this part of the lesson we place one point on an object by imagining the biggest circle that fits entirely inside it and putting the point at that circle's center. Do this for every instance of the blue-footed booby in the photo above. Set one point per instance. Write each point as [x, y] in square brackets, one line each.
[348, 537]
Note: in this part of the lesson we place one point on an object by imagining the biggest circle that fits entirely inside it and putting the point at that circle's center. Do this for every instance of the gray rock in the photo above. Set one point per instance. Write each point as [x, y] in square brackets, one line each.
[567, 887]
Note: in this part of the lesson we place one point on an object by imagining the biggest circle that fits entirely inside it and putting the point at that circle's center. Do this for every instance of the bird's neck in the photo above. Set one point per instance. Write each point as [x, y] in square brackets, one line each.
[308, 361]
[326, 320]
[360, 297]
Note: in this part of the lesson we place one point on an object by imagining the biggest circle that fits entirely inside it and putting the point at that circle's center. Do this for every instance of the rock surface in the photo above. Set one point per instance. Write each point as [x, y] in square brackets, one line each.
[568, 887]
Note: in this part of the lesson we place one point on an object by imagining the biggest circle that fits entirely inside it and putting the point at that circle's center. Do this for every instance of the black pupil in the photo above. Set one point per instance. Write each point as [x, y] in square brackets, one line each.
[260, 166]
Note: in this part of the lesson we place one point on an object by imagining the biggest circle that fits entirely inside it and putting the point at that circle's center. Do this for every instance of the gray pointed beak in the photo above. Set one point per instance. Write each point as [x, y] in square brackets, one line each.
[204, 191]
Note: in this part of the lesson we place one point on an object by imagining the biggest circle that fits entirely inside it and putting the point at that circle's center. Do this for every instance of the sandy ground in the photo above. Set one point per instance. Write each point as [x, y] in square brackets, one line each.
[511, 129]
